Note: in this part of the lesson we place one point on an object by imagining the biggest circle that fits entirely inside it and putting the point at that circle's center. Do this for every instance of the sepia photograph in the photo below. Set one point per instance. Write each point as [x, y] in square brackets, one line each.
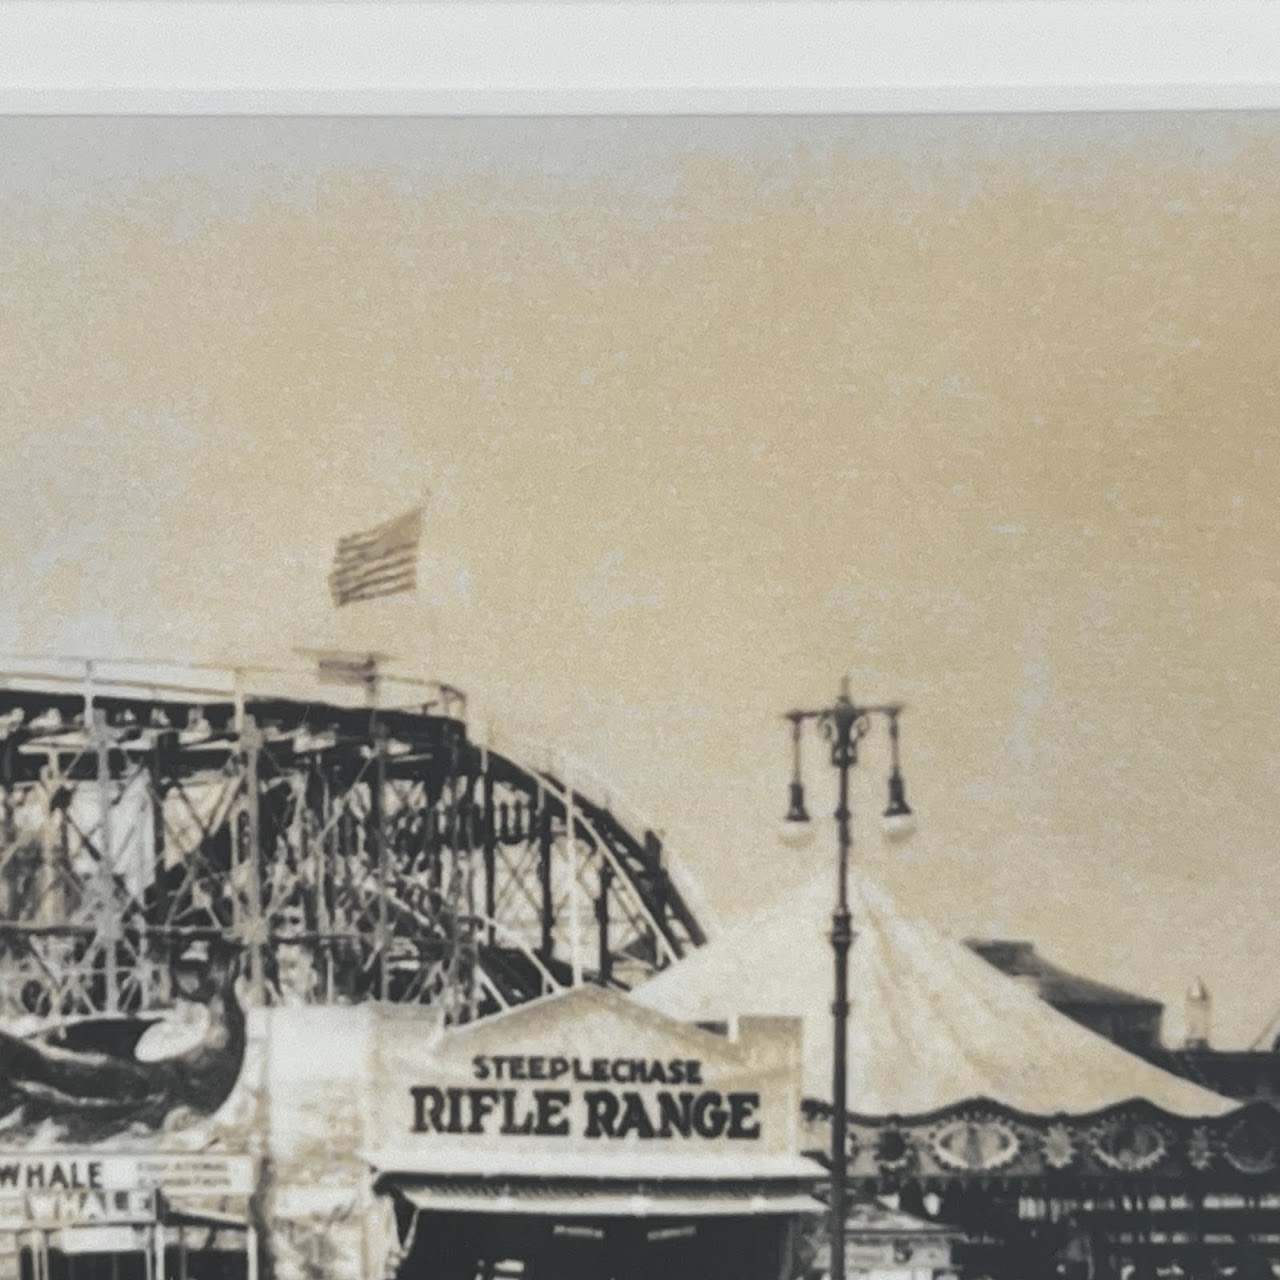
[640, 697]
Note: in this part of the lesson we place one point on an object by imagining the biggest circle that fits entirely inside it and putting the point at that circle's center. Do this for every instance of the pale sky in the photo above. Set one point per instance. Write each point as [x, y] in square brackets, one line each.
[983, 412]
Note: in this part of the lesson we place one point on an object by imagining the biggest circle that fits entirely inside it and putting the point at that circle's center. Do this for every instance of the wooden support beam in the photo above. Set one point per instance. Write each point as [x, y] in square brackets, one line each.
[490, 846]
[605, 962]
[378, 833]
[548, 906]
[107, 919]
[255, 930]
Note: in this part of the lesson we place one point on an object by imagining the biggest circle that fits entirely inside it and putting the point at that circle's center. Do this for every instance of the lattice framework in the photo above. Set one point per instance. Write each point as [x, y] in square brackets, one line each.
[354, 853]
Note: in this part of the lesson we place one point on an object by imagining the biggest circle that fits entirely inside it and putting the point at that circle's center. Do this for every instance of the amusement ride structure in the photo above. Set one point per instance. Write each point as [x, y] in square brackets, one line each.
[356, 845]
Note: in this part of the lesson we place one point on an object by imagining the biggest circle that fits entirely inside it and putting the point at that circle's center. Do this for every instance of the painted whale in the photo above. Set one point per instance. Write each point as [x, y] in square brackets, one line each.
[90, 1079]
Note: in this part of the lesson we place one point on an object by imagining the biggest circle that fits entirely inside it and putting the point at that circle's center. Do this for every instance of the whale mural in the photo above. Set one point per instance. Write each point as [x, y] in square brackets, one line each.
[90, 1079]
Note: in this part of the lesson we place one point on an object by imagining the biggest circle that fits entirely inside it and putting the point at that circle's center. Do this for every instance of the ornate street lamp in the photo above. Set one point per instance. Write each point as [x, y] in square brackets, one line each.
[844, 725]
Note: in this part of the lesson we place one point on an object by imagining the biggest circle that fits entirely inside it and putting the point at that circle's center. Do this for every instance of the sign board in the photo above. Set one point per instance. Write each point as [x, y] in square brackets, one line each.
[90, 1208]
[78, 1186]
[101, 1240]
[61, 1171]
[589, 1071]
[924, 1257]
[203, 1175]
[597, 1099]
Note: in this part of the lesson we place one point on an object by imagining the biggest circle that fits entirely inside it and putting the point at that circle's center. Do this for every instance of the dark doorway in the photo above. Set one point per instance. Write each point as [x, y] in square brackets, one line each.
[531, 1247]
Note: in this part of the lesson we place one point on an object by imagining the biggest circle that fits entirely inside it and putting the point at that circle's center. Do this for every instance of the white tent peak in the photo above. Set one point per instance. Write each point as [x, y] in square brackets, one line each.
[931, 1024]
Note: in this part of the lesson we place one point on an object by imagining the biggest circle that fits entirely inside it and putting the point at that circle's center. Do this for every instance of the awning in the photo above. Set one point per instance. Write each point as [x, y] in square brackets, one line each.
[570, 1199]
[179, 1215]
[443, 1161]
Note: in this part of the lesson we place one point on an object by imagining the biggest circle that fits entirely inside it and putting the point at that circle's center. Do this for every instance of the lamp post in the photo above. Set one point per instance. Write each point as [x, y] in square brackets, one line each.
[844, 725]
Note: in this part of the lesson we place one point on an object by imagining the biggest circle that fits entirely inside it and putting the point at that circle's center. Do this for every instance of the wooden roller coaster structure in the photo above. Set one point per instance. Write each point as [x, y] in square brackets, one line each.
[355, 852]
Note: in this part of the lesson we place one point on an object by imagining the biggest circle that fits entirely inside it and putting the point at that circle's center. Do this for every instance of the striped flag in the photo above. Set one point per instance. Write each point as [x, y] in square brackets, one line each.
[378, 562]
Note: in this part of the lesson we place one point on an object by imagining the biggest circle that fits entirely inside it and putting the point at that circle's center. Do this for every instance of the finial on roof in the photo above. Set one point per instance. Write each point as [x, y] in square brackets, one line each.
[1199, 1012]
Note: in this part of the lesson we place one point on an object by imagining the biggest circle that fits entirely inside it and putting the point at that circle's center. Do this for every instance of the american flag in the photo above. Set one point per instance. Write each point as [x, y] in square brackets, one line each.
[378, 562]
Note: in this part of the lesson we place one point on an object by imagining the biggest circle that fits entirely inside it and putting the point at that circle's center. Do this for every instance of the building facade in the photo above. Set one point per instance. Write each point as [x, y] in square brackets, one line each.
[579, 1135]
[1131, 1021]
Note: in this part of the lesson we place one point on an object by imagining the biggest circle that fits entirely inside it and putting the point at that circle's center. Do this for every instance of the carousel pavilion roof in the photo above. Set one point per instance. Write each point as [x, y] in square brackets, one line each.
[931, 1024]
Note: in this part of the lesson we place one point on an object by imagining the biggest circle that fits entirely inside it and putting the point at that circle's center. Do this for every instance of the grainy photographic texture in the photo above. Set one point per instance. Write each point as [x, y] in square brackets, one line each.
[446, 561]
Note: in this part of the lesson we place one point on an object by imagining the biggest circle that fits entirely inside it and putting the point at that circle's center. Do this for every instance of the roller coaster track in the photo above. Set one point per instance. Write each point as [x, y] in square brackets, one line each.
[355, 853]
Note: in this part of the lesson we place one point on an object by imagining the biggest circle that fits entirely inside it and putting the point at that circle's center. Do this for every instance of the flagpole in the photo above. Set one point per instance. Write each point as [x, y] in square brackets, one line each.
[100, 740]
[367, 566]
[237, 699]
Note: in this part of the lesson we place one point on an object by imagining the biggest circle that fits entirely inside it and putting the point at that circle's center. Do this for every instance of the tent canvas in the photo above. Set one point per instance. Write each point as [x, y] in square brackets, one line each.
[931, 1024]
